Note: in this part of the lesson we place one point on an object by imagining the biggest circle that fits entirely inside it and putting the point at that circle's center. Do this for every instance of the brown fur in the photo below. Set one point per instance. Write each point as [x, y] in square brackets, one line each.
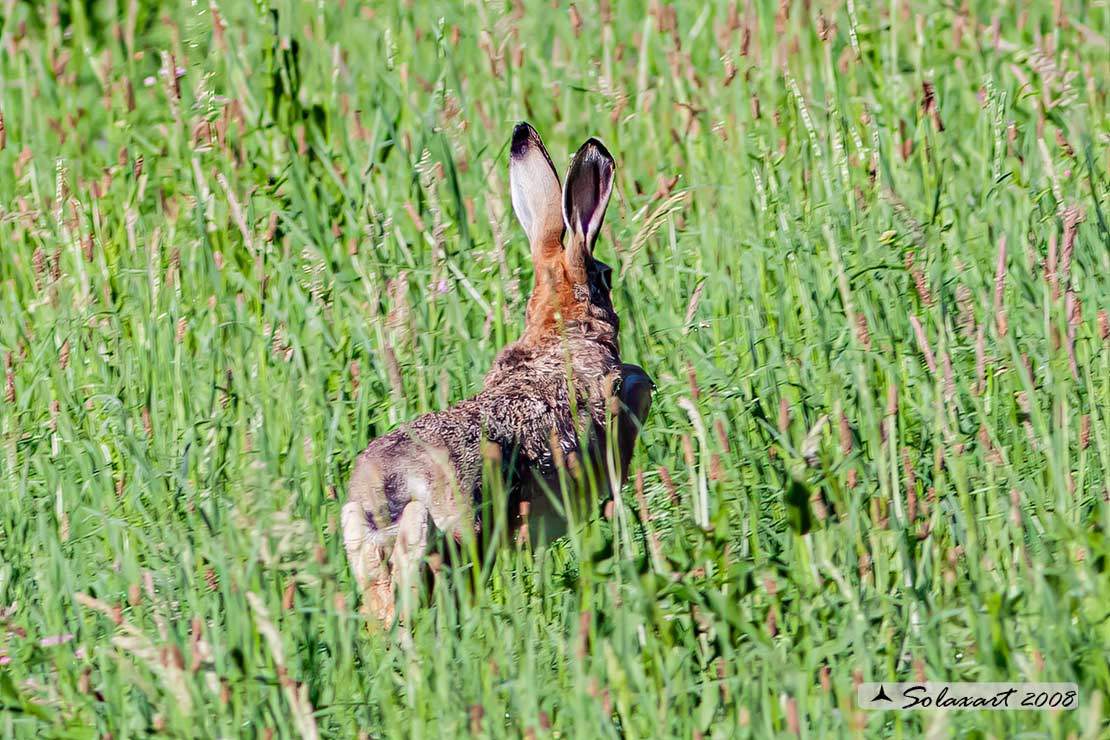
[547, 396]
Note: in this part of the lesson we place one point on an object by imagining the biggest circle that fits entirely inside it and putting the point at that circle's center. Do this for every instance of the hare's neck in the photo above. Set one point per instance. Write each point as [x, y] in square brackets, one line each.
[557, 307]
[552, 294]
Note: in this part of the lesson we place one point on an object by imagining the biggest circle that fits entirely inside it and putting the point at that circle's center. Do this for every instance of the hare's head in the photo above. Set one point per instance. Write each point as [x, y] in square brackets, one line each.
[570, 285]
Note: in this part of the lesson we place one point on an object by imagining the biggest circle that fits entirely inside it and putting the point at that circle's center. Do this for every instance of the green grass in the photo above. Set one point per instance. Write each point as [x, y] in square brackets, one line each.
[880, 444]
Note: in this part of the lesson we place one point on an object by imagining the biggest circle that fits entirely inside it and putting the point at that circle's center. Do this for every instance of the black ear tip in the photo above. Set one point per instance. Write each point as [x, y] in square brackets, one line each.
[594, 149]
[523, 137]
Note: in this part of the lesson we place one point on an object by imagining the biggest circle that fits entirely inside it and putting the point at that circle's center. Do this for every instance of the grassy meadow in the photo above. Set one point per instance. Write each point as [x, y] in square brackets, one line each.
[862, 249]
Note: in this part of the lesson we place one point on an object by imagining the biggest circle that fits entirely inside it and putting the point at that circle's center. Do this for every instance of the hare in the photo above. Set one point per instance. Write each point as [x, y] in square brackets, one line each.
[548, 395]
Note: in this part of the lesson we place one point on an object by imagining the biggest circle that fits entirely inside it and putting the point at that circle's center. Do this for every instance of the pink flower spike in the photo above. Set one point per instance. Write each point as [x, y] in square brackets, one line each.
[80, 653]
[55, 640]
[4, 660]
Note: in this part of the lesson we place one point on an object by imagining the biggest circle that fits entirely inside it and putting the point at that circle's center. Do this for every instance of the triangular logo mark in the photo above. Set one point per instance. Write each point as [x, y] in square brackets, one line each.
[881, 696]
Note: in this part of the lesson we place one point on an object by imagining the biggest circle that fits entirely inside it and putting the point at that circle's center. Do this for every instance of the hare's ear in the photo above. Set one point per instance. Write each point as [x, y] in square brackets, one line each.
[585, 196]
[535, 191]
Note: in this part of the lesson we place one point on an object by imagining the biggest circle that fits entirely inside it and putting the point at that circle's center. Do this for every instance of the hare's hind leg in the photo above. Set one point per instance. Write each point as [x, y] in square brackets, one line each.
[366, 546]
[408, 553]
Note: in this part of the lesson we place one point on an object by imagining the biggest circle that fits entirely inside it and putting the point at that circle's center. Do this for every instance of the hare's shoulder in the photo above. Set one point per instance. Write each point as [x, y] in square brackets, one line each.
[518, 363]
